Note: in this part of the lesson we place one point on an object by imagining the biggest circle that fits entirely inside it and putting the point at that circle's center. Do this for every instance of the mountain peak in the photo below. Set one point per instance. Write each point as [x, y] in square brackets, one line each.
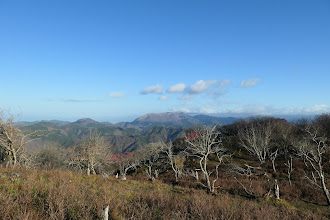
[162, 117]
[85, 121]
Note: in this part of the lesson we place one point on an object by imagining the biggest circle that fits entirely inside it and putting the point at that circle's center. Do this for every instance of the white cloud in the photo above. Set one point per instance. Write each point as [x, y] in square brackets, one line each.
[249, 83]
[152, 89]
[255, 109]
[81, 100]
[312, 110]
[117, 95]
[200, 86]
[318, 109]
[186, 97]
[163, 97]
[184, 110]
[225, 82]
[207, 110]
[176, 88]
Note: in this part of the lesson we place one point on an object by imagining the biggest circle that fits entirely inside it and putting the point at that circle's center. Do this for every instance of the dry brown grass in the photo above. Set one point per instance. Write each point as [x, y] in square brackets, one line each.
[56, 194]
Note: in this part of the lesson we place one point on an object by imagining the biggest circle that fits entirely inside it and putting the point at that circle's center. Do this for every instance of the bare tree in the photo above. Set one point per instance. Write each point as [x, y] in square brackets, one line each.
[203, 142]
[272, 157]
[90, 152]
[289, 165]
[255, 138]
[149, 156]
[175, 160]
[13, 141]
[313, 147]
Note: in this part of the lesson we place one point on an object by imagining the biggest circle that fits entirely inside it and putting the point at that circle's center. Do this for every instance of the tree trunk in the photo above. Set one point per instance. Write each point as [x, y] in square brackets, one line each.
[88, 171]
[176, 176]
[273, 163]
[325, 190]
[93, 169]
[105, 213]
[276, 190]
[14, 158]
[209, 187]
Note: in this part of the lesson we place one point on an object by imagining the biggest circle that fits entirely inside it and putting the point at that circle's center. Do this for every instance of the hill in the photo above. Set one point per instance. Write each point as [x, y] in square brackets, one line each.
[124, 136]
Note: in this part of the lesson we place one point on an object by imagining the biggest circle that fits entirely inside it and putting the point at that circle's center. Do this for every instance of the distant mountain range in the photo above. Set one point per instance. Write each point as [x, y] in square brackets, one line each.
[174, 120]
[124, 136]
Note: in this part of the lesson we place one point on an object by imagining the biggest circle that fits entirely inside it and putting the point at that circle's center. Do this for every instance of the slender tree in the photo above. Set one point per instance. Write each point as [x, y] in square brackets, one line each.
[313, 147]
[175, 160]
[202, 143]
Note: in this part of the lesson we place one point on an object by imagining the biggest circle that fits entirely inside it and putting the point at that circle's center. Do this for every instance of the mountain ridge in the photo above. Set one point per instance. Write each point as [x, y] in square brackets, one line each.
[124, 136]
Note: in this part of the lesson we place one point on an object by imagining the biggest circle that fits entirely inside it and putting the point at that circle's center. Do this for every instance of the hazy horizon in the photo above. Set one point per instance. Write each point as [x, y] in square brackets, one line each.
[117, 60]
[131, 118]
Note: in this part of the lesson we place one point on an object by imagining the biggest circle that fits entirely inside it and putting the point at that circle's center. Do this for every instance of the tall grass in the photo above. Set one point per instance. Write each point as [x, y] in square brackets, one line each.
[57, 194]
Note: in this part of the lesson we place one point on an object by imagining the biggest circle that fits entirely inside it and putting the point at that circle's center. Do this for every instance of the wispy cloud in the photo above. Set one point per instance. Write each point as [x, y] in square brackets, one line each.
[249, 83]
[311, 110]
[186, 97]
[202, 110]
[117, 95]
[82, 100]
[256, 109]
[152, 89]
[163, 97]
[73, 100]
[225, 82]
[176, 88]
[200, 86]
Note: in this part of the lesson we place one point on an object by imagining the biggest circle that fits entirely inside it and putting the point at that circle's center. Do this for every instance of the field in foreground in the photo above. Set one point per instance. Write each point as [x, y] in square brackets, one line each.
[57, 194]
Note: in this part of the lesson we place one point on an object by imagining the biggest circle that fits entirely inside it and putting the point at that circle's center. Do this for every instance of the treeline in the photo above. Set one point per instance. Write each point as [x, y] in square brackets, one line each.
[258, 157]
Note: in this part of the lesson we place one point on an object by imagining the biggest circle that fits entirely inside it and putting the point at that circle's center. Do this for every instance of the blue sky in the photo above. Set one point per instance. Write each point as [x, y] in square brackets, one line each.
[116, 60]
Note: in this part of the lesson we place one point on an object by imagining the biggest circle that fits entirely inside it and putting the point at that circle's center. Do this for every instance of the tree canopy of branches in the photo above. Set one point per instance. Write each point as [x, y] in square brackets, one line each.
[176, 160]
[202, 142]
[149, 156]
[90, 152]
[255, 137]
[13, 141]
[262, 138]
[312, 146]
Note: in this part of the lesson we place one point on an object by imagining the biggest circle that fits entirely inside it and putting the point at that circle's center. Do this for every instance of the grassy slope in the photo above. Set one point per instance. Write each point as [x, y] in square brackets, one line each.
[56, 194]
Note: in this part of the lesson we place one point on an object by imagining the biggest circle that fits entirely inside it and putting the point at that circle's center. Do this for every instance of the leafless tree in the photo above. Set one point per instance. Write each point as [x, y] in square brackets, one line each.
[90, 152]
[13, 140]
[175, 160]
[255, 138]
[272, 157]
[204, 142]
[149, 156]
[289, 165]
[313, 146]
